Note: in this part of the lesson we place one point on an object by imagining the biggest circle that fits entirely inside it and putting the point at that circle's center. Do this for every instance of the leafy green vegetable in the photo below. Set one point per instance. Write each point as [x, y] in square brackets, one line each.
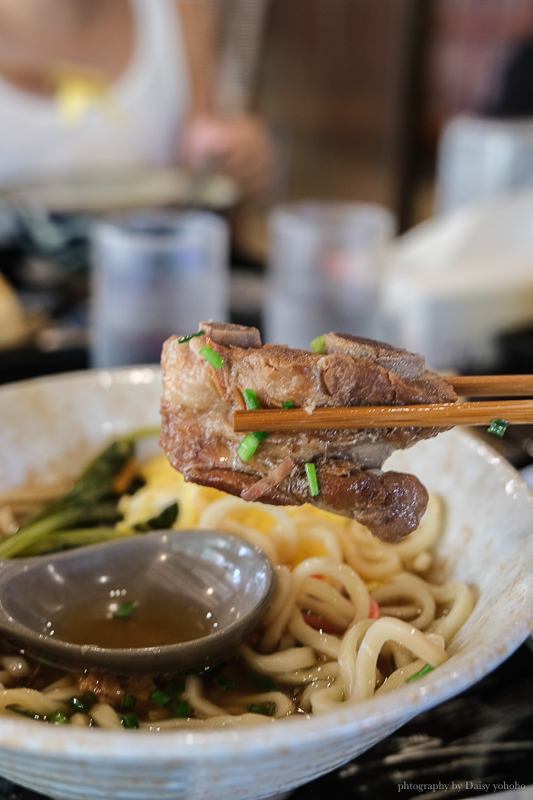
[165, 519]
[75, 537]
[86, 512]
[95, 483]
[87, 502]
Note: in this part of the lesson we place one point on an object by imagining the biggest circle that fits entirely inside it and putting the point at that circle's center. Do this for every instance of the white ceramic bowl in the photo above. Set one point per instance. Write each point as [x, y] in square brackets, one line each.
[50, 425]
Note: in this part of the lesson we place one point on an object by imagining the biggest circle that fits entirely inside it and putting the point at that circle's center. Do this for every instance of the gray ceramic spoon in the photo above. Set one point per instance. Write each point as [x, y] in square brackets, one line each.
[223, 579]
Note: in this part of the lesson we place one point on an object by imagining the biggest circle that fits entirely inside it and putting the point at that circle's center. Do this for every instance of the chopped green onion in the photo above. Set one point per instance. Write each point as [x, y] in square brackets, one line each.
[250, 398]
[25, 713]
[218, 669]
[127, 702]
[420, 674]
[176, 689]
[183, 709]
[83, 703]
[184, 339]
[498, 426]
[160, 698]
[318, 345]
[225, 683]
[130, 720]
[214, 359]
[77, 704]
[268, 684]
[247, 447]
[268, 709]
[125, 609]
[252, 404]
[58, 718]
[287, 404]
[312, 481]
[44, 661]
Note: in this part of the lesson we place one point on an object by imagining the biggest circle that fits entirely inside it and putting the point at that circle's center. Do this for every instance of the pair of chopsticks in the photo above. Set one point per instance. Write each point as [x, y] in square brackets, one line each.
[431, 415]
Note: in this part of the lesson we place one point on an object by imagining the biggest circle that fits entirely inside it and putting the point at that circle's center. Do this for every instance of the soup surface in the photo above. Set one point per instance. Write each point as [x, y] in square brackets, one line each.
[148, 622]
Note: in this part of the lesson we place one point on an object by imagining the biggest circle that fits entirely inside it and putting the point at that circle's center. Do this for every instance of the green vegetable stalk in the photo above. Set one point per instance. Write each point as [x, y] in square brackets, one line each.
[87, 513]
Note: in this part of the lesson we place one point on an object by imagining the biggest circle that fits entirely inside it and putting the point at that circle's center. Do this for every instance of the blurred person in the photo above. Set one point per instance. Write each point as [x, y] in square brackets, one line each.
[103, 86]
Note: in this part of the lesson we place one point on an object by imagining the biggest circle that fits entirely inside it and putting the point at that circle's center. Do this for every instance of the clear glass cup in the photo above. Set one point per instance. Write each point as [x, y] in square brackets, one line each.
[324, 270]
[154, 275]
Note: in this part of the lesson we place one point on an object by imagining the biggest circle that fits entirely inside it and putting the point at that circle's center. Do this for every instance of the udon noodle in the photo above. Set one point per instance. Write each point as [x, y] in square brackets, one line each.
[351, 617]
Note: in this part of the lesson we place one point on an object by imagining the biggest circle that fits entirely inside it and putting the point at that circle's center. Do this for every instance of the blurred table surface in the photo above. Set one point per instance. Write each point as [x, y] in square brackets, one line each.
[57, 308]
[480, 742]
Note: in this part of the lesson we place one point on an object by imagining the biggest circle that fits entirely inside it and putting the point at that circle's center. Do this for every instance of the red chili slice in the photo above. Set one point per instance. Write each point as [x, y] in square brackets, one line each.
[321, 624]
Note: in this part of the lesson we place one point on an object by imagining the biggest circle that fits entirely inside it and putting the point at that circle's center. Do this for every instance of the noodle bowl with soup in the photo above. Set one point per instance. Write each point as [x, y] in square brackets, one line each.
[359, 637]
[350, 616]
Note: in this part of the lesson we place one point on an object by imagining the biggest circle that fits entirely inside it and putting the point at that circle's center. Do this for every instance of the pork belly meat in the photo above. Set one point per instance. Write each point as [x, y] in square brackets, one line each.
[197, 422]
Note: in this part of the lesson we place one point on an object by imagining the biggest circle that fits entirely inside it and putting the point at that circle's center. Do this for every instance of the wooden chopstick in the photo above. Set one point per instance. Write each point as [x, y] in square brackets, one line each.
[492, 385]
[425, 416]
[431, 415]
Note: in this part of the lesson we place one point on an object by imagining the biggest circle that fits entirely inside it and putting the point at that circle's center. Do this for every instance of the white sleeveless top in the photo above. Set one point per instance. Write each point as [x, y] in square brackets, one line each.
[37, 144]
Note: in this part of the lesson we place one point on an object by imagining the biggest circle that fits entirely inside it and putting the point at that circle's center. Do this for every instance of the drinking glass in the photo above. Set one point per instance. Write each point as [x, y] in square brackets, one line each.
[324, 270]
[153, 275]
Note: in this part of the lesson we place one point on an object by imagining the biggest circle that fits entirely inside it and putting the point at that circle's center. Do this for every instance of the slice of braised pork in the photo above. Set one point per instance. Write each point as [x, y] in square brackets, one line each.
[197, 422]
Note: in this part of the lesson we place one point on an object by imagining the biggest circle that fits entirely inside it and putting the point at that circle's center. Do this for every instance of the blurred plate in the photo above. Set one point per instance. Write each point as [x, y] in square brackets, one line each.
[122, 191]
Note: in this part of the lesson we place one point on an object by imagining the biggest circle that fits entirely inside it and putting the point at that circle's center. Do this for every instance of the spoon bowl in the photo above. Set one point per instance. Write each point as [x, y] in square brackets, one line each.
[209, 588]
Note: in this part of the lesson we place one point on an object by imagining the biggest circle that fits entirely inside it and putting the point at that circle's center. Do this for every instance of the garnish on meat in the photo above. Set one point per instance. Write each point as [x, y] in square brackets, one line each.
[339, 470]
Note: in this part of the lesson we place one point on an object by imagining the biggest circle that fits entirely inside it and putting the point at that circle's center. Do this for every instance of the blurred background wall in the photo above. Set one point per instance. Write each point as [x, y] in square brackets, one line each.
[358, 92]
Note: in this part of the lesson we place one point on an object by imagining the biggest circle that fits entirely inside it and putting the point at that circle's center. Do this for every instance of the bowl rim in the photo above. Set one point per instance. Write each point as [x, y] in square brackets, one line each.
[457, 674]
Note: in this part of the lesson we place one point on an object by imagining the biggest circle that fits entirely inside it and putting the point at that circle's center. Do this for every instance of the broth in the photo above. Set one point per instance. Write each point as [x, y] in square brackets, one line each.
[152, 621]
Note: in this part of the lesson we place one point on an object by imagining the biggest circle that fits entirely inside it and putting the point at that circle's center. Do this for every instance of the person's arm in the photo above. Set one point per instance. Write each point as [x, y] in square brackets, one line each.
[198, 20]
[239, 146]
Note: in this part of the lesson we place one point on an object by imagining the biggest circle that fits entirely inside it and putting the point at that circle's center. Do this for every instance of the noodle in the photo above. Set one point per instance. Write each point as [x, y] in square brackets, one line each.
[350, 617]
